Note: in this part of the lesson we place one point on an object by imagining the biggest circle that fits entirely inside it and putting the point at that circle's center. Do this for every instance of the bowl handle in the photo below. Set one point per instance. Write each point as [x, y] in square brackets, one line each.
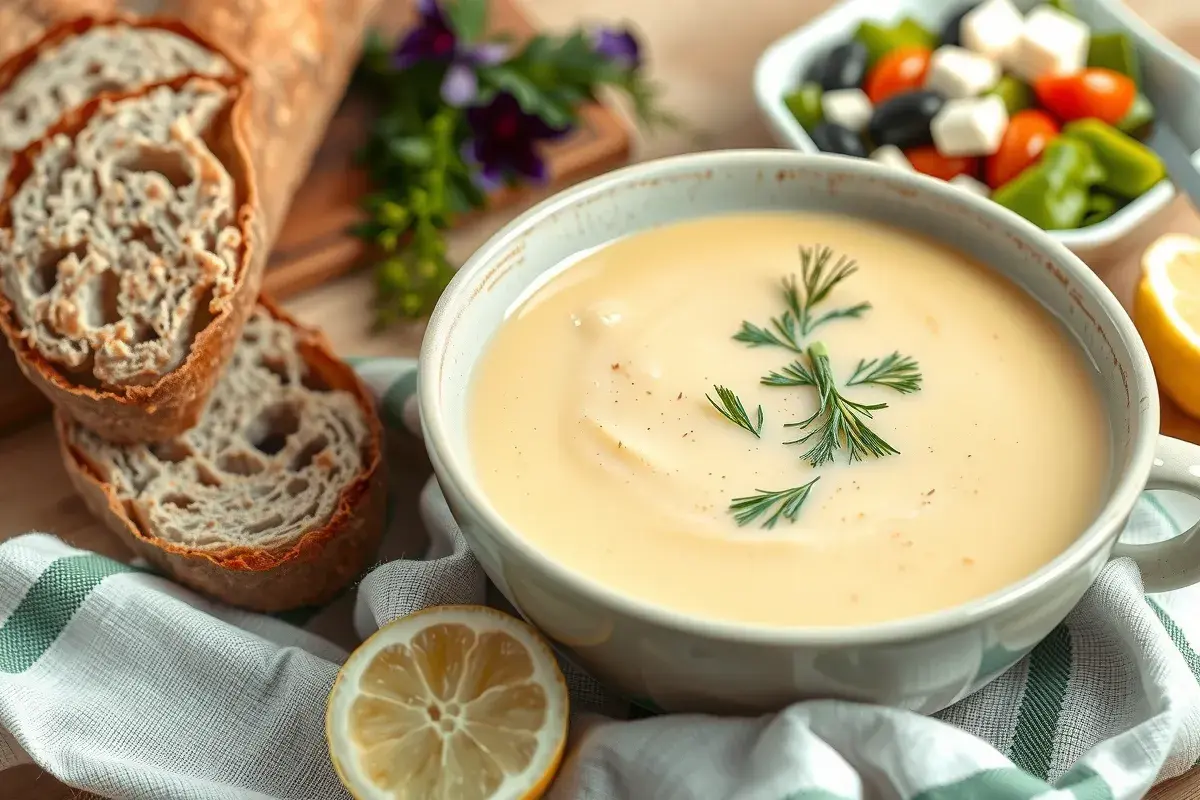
[1175, 562]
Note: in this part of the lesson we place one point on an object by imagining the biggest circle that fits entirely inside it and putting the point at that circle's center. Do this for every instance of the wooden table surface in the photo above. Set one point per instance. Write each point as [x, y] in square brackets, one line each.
[706, 66]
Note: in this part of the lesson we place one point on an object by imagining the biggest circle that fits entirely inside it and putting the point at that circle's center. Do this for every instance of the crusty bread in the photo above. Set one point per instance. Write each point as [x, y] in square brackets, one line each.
[298, 56]
[64, 67]
[274, 500]
[130, 254]
[77, 61]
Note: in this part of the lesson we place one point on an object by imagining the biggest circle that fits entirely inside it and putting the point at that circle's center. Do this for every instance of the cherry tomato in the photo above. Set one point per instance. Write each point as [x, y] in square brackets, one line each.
[1094, 92]
[1028, 133]
[929, 161]
[901, 70]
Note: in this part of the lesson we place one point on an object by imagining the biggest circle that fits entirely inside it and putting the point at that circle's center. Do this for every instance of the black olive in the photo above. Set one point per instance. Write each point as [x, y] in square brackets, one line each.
[831, 138]
[952, 30]
[904, 119]
[844, 68]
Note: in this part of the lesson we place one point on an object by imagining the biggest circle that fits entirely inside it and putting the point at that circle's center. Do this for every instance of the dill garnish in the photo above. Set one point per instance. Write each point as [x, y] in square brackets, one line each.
[840, 422]
[731, 408]
[895, 371]
[818, 277]
[794, 374]
[747, 509]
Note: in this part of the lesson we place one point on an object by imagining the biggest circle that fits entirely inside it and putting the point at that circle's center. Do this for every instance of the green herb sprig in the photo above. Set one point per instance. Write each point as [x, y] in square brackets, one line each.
[839, 423]
[747, 509]
[819, 274]
[895, 371]
[731, 408]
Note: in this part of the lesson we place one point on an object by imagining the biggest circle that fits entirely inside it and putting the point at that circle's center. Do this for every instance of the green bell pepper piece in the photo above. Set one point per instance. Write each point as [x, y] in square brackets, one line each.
[1070, 161]
[1132, 167]
[1053, 193]
[1031, 195]
[915, 34]
[1065, 6]
[881, 39]
[1017, 95]
[1115, 51]
[1139, 119]
[1100, 207]
[805, 104]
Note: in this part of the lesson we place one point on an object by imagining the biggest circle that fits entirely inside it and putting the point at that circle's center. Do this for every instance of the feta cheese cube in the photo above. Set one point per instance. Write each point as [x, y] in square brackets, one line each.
[993, 29]
[967, 183]
[955, 72]
[849, 108]
[971, 126]
[891, 156]
[1052, 43]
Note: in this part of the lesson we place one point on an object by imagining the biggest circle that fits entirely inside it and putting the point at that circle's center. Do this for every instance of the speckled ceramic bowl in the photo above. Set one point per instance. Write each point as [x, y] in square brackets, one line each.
[681, 662]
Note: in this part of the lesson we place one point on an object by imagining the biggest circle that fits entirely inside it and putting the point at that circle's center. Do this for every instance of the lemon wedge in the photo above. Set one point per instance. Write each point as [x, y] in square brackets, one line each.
[453, 703]
[1166, 310]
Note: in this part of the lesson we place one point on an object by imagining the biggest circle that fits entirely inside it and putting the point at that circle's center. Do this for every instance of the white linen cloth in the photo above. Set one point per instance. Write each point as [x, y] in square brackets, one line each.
[120, 682]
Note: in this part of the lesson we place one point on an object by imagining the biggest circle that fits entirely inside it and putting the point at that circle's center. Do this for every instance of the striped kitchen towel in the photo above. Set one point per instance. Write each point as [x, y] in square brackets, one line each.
[117, 681]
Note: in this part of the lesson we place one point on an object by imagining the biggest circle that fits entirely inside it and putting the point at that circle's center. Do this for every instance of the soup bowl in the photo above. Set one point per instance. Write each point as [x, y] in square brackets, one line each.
[665, 659]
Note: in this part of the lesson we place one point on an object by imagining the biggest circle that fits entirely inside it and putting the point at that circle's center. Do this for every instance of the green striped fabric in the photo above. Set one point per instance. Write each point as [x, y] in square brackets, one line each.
[51, 602]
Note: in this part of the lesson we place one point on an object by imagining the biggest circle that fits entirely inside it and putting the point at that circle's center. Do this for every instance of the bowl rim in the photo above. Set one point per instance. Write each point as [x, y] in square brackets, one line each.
[454, 472]
[1102, 234]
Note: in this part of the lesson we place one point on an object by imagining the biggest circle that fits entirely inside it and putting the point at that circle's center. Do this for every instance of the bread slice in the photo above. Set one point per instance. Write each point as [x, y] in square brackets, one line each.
[78, 60]
[65, 67]
[274, 500]
[131, 253]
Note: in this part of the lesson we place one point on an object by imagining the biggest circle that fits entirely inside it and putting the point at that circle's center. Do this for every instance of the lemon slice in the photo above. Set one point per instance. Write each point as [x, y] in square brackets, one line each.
[454, 702]
[1166, 310]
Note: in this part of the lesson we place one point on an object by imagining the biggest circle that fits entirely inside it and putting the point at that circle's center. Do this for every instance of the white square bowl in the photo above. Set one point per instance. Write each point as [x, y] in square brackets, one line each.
[782, 66]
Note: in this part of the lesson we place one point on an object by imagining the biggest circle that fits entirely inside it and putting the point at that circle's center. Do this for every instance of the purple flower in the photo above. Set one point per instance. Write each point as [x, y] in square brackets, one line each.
[618, 46]
[505, 141]
[434, 40]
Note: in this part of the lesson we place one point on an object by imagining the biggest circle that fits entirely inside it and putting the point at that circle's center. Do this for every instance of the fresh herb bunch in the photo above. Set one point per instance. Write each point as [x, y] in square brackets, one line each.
[839, 423]
[459, 115]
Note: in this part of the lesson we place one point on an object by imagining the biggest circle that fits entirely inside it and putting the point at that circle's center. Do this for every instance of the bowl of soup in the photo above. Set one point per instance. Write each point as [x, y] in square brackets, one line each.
[741, 428]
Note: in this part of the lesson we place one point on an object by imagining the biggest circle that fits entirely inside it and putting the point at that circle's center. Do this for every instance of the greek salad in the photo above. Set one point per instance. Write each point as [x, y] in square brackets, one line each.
[1035, 110]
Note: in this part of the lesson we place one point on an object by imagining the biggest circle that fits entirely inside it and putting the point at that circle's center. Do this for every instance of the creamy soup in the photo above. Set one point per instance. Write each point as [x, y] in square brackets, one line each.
[593, 433]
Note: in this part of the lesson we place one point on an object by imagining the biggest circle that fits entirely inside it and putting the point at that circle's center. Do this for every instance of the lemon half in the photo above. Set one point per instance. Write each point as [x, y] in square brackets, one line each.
[453, 703]
[1166, 310]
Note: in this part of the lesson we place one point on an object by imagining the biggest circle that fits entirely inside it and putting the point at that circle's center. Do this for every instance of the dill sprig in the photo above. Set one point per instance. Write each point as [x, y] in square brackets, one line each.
[840, 422]
[731, 408]
[898, 372]
[794, 374]
[747, 509]
[819, 274]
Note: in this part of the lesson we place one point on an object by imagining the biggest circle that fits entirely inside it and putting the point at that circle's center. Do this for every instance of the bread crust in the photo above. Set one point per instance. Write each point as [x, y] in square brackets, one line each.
[309, 571]
[19, 61]
[171, 405]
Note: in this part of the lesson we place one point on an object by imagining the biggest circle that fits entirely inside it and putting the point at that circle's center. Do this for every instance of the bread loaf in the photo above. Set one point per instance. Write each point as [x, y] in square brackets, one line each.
[275, 499]
[298, 54]
[130, 253]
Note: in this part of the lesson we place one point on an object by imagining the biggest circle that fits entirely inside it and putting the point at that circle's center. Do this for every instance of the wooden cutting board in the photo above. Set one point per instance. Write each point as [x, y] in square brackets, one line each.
[313, 246]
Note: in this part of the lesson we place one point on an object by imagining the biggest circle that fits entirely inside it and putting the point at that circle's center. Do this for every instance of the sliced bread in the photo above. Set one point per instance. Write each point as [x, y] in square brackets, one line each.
[274, 500]
[131, 253]
[76, 61]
